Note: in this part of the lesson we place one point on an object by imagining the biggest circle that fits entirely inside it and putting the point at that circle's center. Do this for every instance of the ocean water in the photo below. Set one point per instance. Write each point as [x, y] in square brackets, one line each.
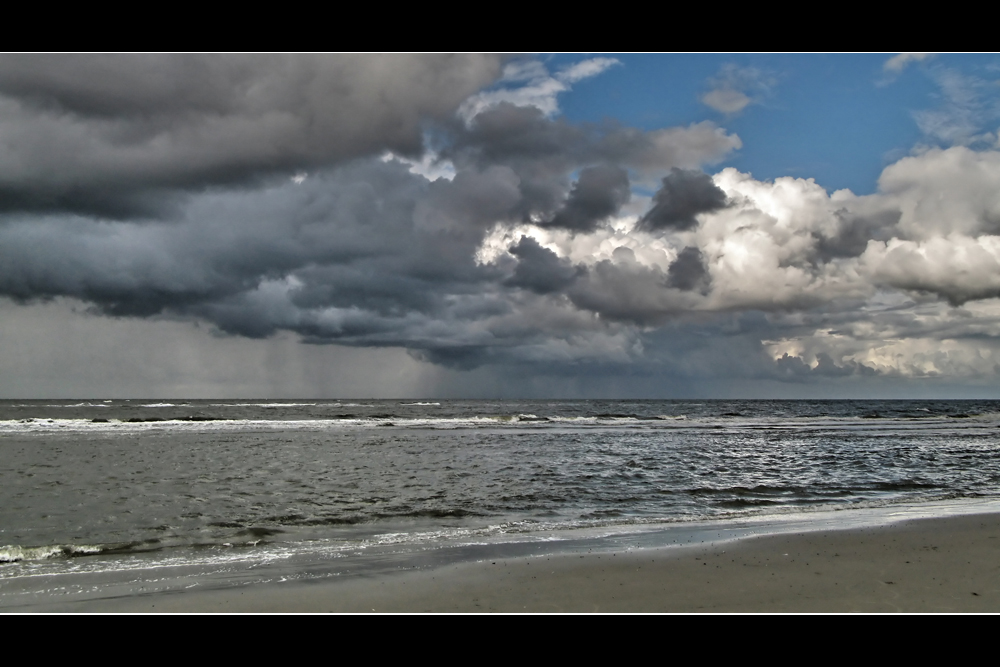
[111, 497]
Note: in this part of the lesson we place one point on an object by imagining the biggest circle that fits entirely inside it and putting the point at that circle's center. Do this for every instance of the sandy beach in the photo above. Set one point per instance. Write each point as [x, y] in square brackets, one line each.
[928, 565]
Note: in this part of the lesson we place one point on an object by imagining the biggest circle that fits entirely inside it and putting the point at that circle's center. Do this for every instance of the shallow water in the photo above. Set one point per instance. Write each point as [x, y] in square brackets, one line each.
[97, 486]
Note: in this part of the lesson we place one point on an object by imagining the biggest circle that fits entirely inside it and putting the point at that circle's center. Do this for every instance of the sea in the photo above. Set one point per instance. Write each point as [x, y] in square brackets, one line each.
[109, 498]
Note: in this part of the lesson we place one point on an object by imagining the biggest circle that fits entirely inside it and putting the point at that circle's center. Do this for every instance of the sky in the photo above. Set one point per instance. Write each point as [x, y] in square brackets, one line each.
[487, 226]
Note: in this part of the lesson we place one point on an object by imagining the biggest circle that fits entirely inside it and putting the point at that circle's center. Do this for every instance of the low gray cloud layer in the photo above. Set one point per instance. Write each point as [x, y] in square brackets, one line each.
[265, 195]
[116, 135]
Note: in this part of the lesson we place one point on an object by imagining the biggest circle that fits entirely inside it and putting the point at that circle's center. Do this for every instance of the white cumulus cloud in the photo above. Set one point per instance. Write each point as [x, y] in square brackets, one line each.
[538, 87]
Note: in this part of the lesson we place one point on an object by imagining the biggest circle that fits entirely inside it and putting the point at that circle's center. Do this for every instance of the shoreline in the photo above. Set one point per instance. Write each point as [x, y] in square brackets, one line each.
[942, 564]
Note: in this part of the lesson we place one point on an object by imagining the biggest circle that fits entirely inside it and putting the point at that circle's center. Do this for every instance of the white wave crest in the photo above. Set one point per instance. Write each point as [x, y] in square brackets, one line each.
[13, 553]
[261, 405]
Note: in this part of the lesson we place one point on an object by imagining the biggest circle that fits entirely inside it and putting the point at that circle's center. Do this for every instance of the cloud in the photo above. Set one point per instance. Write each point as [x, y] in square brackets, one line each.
[795, 368]
[518, 240]
[430, 165]
[598, 194]
[688, 271]
[370, 254]
[543, 152]
[586, 69]
[726, 100]
[683, 195]
[901, 61]
[121, 135]
[968, 107]
[734, 88]
[944, 191]
[955, 267]
[539, 269]
[538, 87]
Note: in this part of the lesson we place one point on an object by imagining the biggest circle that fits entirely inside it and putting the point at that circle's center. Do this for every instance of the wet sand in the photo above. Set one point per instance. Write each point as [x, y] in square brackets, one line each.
[928, 565]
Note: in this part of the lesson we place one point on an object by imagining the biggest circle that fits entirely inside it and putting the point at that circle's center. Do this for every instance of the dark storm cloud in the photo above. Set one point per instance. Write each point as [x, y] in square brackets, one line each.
[854, 232]
[470, 202]
[538, 151]
[542, 152]
[794, 368]
[599, 193]
[508, 133]
[118, 134]
[539, 269]
[362, 251]
[368, 254]
[624, 290]
[684, 194]
[155, 185]
[357, 223]
[688, 271]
